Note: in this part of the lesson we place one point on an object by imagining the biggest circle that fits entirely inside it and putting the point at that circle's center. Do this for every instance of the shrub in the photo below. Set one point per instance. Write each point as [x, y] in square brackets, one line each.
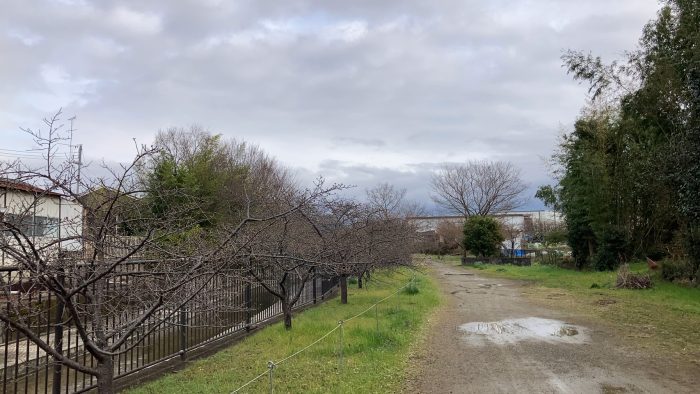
[677, 270]
[352, 280]
[692, 246]
[552, 258]
[482, 236]
[411, 289]
[613, 245]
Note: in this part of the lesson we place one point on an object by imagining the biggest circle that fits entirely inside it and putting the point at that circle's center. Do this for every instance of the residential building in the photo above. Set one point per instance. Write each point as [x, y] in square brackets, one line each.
[43, 217]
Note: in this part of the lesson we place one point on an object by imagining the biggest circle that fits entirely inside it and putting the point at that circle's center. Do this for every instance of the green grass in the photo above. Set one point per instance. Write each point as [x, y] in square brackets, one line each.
[665, 317]
[374, 360]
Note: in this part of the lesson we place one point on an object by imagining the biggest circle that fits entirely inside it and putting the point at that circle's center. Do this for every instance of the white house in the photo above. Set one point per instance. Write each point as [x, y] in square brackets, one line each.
[43, 216]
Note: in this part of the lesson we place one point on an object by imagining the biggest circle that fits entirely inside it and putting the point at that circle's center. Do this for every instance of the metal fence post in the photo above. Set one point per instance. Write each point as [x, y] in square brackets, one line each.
[271, 373]
[413, 303]
[58, 338]
[183, 332]
[340, 354]
[376, 317]
[248, 306]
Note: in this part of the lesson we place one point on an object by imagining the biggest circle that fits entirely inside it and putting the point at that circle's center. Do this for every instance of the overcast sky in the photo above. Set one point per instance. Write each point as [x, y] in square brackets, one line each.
[360, 91]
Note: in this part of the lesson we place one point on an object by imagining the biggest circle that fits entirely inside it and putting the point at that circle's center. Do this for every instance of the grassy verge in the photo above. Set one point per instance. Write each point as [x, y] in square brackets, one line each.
[665, 317]
[375, 360]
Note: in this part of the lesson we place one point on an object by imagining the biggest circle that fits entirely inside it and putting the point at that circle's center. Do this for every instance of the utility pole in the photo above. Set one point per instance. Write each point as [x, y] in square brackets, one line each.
[80, 165]
[79, 160]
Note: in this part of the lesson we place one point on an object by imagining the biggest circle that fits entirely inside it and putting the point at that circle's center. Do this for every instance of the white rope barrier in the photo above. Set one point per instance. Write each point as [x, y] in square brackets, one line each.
[382, 300]
[324, 336]
[309, 345]
[249, 382]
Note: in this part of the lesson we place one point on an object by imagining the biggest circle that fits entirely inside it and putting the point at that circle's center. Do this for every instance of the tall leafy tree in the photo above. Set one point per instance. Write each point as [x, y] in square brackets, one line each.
[631, 172]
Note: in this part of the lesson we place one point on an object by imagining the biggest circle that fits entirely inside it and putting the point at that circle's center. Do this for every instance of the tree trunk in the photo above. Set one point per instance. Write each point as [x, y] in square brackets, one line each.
[359, 281]
[105, 380]
[58, 342]
[343, 289]
[287, 311]
[591, 252]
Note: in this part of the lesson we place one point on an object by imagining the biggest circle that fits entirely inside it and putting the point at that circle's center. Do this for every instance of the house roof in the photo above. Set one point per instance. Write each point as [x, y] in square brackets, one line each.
[9, 184]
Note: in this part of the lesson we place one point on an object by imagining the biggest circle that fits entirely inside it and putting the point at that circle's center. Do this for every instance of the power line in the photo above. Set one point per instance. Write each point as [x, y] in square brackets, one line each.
[20, 151]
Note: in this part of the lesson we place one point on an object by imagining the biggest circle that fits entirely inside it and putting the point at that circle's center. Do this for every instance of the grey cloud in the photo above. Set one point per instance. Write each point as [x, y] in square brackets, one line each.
[362, 89]
[365, 142]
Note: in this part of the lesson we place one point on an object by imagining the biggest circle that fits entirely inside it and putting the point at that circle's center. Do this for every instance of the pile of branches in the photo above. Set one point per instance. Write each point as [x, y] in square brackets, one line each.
[630, 280]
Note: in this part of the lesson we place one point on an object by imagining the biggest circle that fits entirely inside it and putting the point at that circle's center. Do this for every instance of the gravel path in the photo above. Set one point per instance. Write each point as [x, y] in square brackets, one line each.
[513, 346]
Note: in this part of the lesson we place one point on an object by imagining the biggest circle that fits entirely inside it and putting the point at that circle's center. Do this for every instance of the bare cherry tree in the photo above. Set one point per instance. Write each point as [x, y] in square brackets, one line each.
[478, 188]
[357, 238]
[450, 235]
[386, 200]
[389, 236]
[342, 226]
[284, 255]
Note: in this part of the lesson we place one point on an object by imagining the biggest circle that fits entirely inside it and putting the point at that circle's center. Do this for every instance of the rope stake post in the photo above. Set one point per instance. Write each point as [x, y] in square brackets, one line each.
[413, 304]
[271, 371]
[376, 317]
[340, 354]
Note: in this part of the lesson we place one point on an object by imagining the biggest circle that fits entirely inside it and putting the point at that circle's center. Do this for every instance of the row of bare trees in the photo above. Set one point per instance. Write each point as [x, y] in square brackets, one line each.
[197, 209]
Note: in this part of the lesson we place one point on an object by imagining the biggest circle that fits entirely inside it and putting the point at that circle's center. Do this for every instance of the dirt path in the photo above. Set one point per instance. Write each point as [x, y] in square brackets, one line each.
[569, 354]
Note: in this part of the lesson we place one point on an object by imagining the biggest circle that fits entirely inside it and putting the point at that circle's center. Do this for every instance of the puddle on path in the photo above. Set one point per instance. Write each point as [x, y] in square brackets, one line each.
[511, 331]
[489, 285]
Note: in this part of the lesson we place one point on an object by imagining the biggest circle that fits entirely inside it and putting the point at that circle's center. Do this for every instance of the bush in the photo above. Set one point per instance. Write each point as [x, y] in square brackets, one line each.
[580, 237]
[613, 245]
[677, 270]
[352, 280]
[552, 258]
[482, 236]
[411, 289]
[692, 246]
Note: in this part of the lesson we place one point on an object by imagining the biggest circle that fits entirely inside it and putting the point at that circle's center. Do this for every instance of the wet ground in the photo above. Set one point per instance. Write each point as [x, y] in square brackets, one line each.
[512, 331]
[488, 338]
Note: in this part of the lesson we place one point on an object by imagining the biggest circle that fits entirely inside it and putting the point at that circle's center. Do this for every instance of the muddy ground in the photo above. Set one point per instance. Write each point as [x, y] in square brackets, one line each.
[488, 338]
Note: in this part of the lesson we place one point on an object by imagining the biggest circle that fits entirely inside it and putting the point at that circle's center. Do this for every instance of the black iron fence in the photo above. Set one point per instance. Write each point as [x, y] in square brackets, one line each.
[226, 306]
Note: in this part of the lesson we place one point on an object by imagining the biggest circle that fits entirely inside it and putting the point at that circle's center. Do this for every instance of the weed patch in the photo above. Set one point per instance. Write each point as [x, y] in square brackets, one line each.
[411, 289]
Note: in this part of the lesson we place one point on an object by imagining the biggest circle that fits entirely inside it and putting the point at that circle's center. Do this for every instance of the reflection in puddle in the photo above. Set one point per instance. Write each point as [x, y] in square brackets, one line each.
[515, 330]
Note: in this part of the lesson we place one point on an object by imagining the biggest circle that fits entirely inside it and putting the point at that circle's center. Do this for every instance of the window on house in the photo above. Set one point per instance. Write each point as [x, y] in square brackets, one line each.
[34, 226]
